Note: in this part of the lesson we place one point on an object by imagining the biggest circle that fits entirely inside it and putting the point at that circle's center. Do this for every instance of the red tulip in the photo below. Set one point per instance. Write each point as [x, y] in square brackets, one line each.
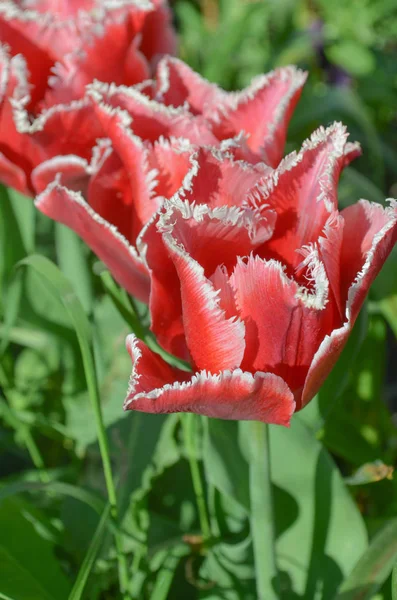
[262, 111]
[182, 104]
[154, 151]
[259, 298]
[53, 50]
[123, 187]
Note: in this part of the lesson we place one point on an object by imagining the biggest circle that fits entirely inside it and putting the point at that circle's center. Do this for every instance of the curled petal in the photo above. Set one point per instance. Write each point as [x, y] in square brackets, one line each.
[165, 298]
[285, 324]
[183, 247]
[366, 224]
[156, 388]
[13, 176]
[303, 191]
[218, 180]
[158, 36]
[172, 161]
[177, 85]
[263, 111]
[69, 208]
[151, 119]
[370, 233]
[214, 341]
[69, 170]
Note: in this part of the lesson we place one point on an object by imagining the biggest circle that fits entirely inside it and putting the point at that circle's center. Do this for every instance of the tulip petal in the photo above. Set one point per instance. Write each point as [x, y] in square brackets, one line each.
[219, 180]
[111, 247]
[263, 111]
[151, 119]
[66, 118]
[303, 192]
[214, 341]
[285, 323]
[158, 35]
[370, 233]
[155, 388]
[69, 170]
[165, 298]
[177, 84]
[13, 176]
[172, 161]
[364, 223]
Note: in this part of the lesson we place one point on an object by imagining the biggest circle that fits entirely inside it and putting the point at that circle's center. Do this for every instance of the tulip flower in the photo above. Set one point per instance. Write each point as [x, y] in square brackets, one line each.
[151, 150]
[259, 298]
[118, 202]
[51, 51]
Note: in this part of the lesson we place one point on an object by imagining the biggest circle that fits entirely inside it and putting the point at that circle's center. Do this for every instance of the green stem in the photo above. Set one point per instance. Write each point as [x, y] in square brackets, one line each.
[188, 424]
[107, 469]
[262, 514]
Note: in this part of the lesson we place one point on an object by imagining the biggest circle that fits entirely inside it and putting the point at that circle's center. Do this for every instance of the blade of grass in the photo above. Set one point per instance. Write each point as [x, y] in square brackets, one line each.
[90, 557]
[374, 566]
[62, 288]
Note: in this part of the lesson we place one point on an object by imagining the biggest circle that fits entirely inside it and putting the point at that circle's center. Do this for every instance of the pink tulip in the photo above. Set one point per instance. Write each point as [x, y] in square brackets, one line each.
[260, 298]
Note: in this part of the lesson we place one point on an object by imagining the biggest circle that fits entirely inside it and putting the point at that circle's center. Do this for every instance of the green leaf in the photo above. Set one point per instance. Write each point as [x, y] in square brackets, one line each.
[72, 260]
[374, 566]
[89, 560]
[394, 583]
[25, 213]
[225, 466]
[320, 532]
[61, 288]
[28, 567]
[166, 574]
[54, 487]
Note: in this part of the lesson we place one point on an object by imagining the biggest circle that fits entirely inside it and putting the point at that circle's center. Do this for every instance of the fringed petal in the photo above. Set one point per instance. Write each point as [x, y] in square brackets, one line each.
[156, 388]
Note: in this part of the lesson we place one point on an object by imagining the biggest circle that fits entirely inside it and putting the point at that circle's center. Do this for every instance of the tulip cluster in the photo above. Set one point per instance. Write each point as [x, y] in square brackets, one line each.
[251, 273]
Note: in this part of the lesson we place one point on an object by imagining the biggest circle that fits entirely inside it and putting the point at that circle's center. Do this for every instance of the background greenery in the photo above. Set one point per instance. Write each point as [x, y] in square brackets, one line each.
[52, 486]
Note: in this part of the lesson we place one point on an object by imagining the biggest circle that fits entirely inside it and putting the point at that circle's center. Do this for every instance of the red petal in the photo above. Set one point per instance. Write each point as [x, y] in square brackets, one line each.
[370, 233]
[156, 388]
[217, 179]
[177, 83]
[365, 222]
[17, 150]
[284, 323]
[158, 36]
[13, 176]
[70, 171]
[172, 161]
[123, 64]
[165, 298]
[263, 111]
[68, 119]
[215, 342]
[151, 119]
[303, 192]
[69, 208]
[329, 249]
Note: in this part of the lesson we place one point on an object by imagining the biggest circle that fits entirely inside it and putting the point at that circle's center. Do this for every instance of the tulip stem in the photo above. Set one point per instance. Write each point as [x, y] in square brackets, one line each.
[93, 392]
[262, 514]
[188, 425]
